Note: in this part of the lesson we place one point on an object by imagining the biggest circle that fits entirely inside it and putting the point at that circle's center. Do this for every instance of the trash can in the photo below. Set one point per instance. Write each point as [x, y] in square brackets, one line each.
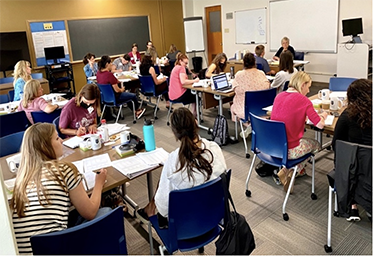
[197, 63]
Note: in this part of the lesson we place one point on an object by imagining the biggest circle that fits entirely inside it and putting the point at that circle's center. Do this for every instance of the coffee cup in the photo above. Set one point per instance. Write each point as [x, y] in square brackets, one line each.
[55, 99]
[206, 83]
[325, 104]
[125, 137]
[324, 94]
[95, 142]
[335, 104]
[8, 108]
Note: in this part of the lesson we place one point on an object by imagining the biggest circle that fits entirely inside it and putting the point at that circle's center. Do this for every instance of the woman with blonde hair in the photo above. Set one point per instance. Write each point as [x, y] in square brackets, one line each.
[22, 74]
[172, 54]
[32, 100]
[293, 107]
[218, 65]
[46, 188]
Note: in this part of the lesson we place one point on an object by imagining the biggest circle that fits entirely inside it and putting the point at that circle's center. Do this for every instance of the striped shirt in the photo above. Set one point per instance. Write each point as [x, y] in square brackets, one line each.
[41, 219]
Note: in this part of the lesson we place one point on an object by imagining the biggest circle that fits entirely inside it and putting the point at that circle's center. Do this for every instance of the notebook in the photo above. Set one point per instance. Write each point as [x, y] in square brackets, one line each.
[221, 83]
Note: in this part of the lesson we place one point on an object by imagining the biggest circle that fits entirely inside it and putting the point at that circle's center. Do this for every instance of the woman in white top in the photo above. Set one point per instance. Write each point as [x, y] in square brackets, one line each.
[195, 162]
[286, 70]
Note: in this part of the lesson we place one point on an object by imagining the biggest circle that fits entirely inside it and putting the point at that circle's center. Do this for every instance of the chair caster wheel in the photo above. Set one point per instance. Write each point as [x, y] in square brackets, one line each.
[248, 193]
[209, 132]
[247, 155]
[336, 214]
[285, 216]
[201, 249]
[201, 121]
[156, 118]
[313, 196]
[328, 148]
[168, 123]
[328, 249]
[134, 122]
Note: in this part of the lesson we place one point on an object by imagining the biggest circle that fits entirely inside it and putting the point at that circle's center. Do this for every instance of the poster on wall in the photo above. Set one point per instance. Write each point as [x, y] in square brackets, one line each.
[50, 36]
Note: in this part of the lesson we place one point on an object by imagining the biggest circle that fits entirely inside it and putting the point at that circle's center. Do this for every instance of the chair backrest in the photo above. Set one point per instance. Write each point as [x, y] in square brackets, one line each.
[4, 99]
[269, 137]
[11, 95]
[107, 94]
[299, 56]
[11, 144]
[56, 122]
[195, 211]
[104, 235]
[41, 116]
[256, 100]
[6, 80]
[172, 63]
[157, 69]
[259, 66]
[37, 75]
[340, 83]
[147, 85]
[13, 122]
[285, 86]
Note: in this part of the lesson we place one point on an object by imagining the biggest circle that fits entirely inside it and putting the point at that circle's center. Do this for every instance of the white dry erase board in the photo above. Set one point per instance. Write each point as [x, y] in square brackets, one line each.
[194, 35]
[250, 26]
[311, 25]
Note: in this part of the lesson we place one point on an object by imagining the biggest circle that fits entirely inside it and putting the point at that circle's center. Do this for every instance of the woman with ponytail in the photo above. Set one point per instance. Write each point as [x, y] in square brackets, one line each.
[195, 162]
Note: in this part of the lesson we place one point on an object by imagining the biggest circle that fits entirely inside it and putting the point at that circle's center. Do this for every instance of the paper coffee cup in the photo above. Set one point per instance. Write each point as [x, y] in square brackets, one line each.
[325, 104]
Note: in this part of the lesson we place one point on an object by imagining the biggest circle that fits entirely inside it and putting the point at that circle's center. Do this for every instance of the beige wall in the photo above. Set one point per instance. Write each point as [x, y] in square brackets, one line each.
[166, 18]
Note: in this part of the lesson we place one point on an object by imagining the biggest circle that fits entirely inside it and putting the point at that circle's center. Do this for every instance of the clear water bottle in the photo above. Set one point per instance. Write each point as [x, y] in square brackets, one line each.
[149, 135]
[105, 131]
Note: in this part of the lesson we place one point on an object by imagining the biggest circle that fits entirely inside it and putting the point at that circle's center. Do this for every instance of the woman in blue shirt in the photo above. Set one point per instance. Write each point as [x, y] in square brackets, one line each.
[90, 68]
[22, 74]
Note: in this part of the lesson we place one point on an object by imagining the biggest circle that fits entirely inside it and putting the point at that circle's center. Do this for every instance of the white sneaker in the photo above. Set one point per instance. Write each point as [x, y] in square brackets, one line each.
[247, 132]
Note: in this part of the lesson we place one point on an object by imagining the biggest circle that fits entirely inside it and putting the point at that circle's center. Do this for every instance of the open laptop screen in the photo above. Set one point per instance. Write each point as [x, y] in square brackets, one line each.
[220, 81]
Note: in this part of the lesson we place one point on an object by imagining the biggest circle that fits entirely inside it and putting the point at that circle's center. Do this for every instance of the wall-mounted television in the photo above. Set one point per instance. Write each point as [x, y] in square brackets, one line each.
[13, 48]
[352, 27]
[54, 53]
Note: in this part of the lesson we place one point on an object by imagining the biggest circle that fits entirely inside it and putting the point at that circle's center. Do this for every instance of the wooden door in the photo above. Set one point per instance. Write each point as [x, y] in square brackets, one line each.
[214, 31]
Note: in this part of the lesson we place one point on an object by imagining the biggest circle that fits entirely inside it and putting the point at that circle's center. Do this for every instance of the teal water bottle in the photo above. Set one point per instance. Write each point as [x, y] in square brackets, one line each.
[149, 135]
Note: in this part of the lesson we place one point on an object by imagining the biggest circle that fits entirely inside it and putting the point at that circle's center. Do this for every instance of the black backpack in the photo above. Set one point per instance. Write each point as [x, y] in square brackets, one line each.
[220, 133]
[237, 237]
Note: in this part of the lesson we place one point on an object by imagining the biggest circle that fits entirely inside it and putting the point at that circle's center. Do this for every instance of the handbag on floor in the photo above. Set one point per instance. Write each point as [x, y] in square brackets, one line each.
[237, 237]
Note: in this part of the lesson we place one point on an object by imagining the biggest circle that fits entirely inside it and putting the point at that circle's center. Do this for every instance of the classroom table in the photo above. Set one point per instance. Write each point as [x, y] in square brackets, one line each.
[274, 65]
[114, 177]
[210, 98]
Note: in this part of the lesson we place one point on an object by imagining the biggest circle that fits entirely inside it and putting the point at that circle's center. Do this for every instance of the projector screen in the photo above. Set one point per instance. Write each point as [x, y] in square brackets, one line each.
[193, 33]
[311, 25]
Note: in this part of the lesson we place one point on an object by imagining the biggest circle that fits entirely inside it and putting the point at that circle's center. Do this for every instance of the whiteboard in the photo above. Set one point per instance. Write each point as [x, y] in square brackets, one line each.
[311, 25]
[193, 34]
[250, 26]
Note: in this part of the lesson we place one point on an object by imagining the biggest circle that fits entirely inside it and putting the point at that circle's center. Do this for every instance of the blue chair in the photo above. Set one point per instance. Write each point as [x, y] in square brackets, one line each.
[148, 89]
[285, 86]
[269, 144]
[340, 83]
[6, 80]
[37, 75]
[157, 69]
[104, 235]
[254, 102]
[11, 95]
[194, 217]
[11, 144]
[4, 99]
[13, 122]
[259, 66]
[56, 122]
[172, 64]
[108, 98]
[41, 116]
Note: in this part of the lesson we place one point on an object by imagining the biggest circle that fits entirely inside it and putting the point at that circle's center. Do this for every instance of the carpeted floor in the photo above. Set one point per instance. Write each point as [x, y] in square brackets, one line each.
[303, 234]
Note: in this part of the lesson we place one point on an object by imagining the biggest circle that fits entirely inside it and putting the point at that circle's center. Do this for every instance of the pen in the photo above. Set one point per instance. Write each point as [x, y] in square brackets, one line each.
[96, 171]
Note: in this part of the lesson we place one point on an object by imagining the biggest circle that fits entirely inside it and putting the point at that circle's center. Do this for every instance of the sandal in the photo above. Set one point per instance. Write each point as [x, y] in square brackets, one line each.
[142, 216]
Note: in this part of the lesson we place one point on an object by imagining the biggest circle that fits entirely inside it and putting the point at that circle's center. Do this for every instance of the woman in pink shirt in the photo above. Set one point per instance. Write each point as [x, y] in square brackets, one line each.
[293, 107]
[178, 78]
[32, 100]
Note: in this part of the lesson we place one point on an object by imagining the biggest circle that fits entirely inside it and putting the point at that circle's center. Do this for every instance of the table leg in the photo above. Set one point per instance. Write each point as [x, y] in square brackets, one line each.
[150, 186]
[198, 110]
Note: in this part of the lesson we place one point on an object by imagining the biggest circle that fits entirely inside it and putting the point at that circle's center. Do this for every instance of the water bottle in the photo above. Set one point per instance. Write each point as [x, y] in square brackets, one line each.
[105, 131]
[149, 135]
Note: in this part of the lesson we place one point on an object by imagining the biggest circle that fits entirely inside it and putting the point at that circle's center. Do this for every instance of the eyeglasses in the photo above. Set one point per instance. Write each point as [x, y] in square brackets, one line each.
[186, 63]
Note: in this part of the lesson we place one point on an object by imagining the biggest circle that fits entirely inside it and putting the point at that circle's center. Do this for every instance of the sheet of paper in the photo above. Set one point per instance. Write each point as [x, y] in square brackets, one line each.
[328, 121]
[132, 166]
[73, 142]
[339, 94]
[89, 177]
[9, 183]
[268, 108]
[96, 162]
[116, 128]
[155, 157]
[198, 84]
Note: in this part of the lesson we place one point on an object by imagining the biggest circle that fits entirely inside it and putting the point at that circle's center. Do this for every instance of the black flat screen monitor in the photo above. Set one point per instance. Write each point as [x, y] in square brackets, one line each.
[352, 27]
[54, 53]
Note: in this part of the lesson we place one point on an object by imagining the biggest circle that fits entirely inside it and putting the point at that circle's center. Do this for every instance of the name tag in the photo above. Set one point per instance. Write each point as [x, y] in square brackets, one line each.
[90, 109]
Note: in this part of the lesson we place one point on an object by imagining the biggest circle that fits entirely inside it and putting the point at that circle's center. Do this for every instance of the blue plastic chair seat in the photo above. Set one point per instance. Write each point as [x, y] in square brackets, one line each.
[42, 116]
[13, 122]
[278, 161]
[148, 89]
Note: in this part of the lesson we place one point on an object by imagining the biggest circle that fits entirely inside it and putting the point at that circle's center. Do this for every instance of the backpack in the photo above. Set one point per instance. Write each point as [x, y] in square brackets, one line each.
[220, 133]
[263, 169]
[237, 237]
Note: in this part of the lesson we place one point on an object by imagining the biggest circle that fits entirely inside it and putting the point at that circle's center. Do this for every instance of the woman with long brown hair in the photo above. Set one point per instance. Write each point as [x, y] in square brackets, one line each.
[218, 65]
[355, 123]
[286, 70]
[45, 188]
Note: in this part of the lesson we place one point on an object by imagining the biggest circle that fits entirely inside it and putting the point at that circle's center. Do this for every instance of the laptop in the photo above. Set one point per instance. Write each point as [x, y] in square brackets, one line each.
[221, 83]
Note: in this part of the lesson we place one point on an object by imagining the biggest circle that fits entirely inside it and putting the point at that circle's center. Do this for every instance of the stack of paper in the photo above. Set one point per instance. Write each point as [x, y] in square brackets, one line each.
[328, 121]
[116, 128]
